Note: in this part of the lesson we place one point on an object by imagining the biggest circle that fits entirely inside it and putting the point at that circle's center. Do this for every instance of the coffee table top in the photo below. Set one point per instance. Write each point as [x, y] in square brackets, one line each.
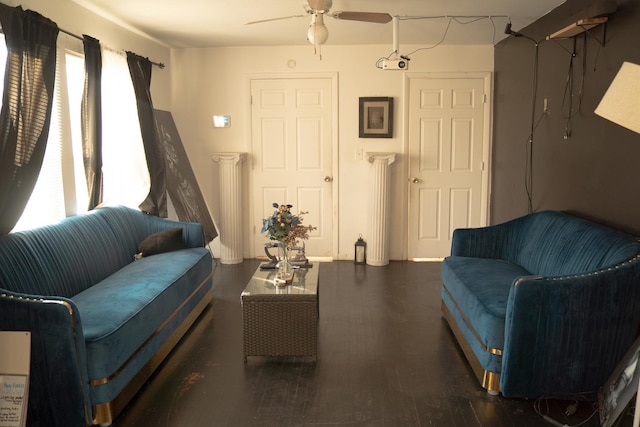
[305, 283]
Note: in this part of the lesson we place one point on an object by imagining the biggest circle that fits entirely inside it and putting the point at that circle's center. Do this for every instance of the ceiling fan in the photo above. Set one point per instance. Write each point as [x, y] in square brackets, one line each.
[318, 33]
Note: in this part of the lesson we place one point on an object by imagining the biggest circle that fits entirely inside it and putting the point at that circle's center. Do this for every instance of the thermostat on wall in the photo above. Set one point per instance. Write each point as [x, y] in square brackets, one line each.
[221, 121]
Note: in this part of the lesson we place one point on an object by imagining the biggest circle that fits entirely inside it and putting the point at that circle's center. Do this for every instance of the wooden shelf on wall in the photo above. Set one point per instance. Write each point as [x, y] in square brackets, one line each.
[577, 27]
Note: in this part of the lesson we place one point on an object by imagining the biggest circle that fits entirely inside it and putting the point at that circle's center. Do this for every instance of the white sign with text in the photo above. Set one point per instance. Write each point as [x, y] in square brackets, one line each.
[15, 356]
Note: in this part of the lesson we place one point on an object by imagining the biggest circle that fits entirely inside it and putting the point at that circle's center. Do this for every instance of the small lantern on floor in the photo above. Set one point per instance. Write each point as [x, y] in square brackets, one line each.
[360, 256]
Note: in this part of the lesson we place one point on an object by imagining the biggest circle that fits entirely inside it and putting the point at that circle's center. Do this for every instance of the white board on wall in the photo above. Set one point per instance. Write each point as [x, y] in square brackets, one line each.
[15, 356]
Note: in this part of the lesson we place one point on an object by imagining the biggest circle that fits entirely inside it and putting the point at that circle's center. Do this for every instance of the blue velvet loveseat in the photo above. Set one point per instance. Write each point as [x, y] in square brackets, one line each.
[543, 305]
[100, 321]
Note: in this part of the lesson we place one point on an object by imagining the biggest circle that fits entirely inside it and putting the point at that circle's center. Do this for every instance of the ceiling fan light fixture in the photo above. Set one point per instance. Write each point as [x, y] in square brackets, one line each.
[317, 33]
[320, 5]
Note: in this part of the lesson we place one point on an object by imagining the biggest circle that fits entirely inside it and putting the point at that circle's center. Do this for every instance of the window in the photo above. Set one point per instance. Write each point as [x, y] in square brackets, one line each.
[55, 194]
[61, 189]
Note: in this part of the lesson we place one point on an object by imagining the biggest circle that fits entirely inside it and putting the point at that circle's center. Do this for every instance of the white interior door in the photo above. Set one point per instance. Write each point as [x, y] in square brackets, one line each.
[292, 135]
[448, 141]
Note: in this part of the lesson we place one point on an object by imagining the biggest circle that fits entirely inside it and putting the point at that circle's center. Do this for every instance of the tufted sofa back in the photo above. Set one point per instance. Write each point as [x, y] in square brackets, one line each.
[66, 258]
[551, 243]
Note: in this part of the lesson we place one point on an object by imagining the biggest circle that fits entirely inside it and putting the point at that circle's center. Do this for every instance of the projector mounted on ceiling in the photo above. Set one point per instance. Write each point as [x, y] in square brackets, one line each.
[395, 64]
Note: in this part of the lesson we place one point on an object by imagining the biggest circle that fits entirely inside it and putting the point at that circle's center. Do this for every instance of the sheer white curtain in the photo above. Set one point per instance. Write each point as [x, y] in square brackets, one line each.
[125, 173]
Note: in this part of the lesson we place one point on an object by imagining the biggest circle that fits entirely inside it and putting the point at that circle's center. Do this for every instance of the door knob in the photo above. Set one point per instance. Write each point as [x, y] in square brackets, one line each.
[414, 180]
[328, 179]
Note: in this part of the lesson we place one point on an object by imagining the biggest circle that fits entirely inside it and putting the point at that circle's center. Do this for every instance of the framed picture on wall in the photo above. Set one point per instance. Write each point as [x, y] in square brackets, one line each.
[376, 117]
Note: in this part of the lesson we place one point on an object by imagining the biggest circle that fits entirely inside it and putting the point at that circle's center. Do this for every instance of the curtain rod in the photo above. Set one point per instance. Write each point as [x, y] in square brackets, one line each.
[157, 64]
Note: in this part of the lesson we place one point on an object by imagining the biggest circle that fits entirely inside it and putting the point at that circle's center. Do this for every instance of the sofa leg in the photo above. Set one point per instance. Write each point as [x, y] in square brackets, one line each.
[103, 414]
[490, 381]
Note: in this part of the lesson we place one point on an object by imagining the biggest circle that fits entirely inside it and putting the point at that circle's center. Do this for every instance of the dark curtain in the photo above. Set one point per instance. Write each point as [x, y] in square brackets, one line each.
[29, 81]
[156, 201]
[182, 185]
[92, 119]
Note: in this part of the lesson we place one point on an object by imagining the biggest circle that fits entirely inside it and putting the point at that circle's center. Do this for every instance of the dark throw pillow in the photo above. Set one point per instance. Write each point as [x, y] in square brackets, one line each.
[163, 241]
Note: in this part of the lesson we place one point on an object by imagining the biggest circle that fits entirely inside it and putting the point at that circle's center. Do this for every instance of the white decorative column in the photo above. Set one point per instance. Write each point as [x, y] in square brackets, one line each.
[230, 224]
[378, 244]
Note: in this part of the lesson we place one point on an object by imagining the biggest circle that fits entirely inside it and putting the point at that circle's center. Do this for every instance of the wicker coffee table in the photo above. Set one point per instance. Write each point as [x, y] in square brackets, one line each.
[281, 321]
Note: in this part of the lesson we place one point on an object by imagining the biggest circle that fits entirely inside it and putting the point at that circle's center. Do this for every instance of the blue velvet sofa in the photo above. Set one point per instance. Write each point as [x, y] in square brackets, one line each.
[100, 321]
[543, 305]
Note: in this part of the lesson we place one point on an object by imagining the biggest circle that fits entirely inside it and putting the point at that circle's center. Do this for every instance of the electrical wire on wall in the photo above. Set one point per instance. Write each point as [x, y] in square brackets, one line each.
[567, 107]
[528, 174]
[444, 36]
[528, 180]
[567, 98]
[462, 20]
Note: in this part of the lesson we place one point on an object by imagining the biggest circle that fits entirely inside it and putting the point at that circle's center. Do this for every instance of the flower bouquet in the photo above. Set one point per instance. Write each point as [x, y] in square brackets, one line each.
[286, 228]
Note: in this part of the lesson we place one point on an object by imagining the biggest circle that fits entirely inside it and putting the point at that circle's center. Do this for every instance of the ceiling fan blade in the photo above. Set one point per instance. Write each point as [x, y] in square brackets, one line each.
[275, 19]
[375, 17]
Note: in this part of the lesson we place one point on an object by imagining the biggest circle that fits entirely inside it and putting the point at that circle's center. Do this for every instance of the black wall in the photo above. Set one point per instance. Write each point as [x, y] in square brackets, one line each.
[595, 172]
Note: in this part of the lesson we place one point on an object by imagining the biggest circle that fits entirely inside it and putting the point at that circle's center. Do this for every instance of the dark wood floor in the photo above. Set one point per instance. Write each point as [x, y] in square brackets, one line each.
[386, 358]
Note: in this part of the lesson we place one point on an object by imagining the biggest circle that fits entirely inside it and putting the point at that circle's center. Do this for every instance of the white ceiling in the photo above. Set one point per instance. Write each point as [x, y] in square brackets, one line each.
[218, 23]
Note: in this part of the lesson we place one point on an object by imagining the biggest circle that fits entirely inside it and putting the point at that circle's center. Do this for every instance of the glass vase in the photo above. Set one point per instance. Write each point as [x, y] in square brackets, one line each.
[284, 268]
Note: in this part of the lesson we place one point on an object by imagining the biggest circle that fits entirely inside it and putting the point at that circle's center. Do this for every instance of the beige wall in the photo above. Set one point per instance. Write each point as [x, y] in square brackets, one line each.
[198, 83]
[593, 172]
[76, 19]
[215, 81]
